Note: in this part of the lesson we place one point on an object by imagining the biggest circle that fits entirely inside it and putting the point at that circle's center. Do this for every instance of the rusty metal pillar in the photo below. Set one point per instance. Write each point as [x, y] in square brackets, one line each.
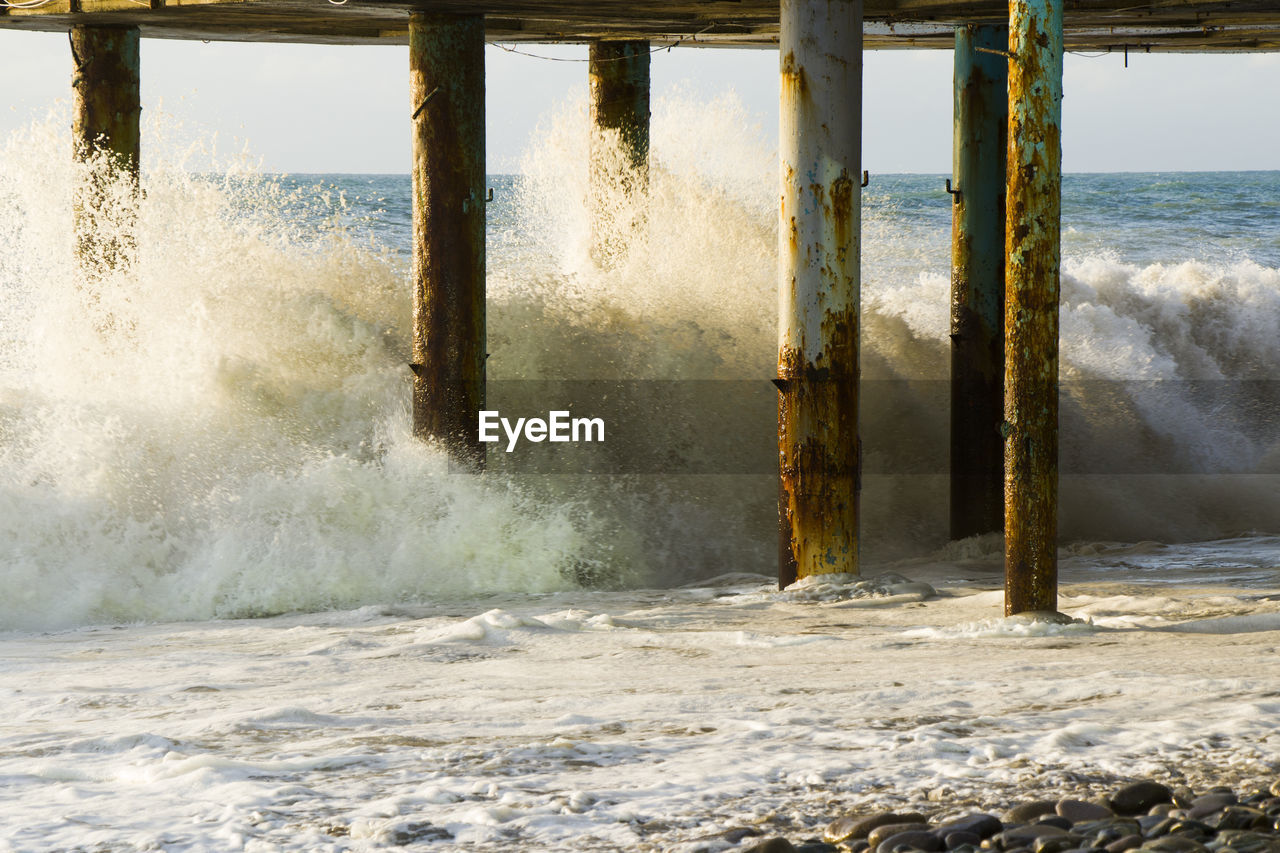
[446, 70]
[105, 131]
[820, 143]
[1032, 244]
[619, 76]
[977, 279]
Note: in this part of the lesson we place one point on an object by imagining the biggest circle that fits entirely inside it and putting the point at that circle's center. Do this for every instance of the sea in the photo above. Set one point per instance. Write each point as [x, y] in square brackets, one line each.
[242, 608]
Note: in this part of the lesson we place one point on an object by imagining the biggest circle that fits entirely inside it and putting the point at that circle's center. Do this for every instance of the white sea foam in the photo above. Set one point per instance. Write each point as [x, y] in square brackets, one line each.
[851, 588]
[694, 719]
[1010, 626]
[221, 432]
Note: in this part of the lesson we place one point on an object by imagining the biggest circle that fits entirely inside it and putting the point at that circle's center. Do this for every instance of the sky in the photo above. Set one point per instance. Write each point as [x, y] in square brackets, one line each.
[311, 108]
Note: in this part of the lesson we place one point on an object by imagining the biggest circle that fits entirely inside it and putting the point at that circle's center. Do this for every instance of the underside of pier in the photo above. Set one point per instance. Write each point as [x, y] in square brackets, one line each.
[1090, 25]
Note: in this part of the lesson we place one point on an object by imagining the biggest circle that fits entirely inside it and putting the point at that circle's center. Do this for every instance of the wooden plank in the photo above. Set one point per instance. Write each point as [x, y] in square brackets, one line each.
[1164, 25]
[97, 6]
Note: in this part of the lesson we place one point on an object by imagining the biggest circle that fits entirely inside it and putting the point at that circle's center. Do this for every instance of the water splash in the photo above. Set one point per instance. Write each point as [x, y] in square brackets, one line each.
[237, 443]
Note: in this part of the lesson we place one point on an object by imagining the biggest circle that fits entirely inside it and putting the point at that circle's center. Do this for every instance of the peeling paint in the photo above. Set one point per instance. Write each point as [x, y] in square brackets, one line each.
[977, 281]
[1031, 305]
[818, 447]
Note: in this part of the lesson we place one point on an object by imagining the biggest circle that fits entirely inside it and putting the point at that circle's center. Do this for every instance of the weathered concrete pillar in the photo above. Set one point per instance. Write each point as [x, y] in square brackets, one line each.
[1031, 306]
[820, 143]
[446, 64]
[619, 75]
[106, 112]
[977, 280]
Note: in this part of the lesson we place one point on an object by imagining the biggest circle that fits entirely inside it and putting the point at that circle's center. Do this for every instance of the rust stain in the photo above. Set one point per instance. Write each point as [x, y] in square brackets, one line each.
[817, 381]
[841, 213]
[1031, 308]
[793, 76]
[819, 451]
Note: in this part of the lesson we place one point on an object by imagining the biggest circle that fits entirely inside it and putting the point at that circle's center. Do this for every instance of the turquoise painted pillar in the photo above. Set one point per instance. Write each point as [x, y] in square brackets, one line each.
[981, 114]
[1032, 243]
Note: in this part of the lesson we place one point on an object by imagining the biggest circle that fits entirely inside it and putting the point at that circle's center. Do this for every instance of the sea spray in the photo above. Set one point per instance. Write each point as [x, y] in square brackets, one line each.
[236, 442]
[240, 446]
[1168, 422]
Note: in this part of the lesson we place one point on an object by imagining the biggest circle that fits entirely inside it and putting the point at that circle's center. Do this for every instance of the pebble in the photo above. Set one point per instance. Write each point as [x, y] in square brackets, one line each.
[1241, 817]
[1054, 844]
[1140, 797]
[1155, 825]
[738, 833]
[1030, 811]
[1175, 844]
[1113, 826]
[981, 825]
[777, 844]
[1027, 833]
[1245, 840]
[415, 831]
[880, 833]
[852, 826]
[912, 839]
[1079, 810]
[955, 840]
[1210, 803]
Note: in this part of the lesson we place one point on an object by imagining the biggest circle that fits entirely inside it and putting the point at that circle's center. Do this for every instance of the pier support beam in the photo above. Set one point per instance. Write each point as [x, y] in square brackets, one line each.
[977, 280]
[820, 143]
[1031, 306]
[446, 64]
[619, 76]
[106, 112]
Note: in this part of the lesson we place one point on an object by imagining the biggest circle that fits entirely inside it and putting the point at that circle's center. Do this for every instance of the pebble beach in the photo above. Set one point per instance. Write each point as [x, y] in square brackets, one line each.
[1143, 815]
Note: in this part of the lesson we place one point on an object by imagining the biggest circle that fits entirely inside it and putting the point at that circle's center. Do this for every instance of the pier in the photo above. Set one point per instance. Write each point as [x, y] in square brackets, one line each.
[1005, 195]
